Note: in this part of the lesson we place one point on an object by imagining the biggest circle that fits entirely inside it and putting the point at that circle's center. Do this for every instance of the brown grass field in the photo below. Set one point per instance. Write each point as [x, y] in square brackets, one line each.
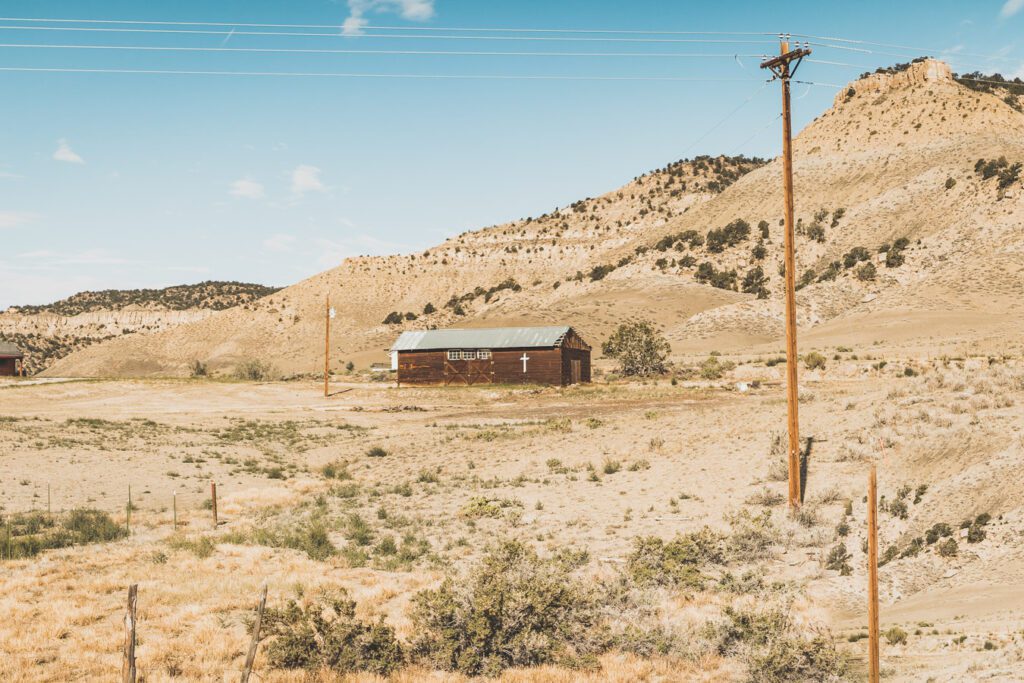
[588, 468]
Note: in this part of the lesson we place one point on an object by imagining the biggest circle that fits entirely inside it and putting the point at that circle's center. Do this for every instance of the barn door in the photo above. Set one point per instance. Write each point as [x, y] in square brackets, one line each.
[575, 367]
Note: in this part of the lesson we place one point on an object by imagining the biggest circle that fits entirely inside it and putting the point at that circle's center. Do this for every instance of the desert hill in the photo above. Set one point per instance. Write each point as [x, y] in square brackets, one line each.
[51, 331]
[909, 211]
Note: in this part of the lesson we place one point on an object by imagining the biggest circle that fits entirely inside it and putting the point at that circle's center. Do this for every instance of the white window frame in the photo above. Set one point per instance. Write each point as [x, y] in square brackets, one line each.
[454, 354]
[483, 354]
[469, 355]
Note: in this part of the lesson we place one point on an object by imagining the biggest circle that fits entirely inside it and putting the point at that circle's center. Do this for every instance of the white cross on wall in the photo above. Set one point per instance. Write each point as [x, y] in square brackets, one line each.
[524, 359]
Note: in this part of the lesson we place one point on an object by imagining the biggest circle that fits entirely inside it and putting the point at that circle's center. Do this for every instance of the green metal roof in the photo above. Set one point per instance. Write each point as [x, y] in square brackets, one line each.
[8, 350]
[483, 338]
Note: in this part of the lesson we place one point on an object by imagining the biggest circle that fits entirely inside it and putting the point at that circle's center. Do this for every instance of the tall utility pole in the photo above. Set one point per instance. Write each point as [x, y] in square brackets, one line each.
[873, 670]
[327, 347]
[783, 67]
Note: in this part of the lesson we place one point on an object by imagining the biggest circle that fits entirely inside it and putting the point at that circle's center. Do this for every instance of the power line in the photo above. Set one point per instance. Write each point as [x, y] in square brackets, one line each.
[394, 28]
[919, 50]
[311, 74]
[302, 34]
[718, 124]
[274, 50]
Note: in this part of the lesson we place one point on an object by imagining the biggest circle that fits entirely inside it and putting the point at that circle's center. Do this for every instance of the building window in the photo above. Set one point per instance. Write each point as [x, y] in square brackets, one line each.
[469, 355]
[454, 355]
[484, 354]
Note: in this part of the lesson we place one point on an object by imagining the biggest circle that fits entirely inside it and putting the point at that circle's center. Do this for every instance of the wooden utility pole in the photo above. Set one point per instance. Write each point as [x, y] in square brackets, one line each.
[327, 347]
[873, 634]
[783, 67]
[250, 658]
[128, 663]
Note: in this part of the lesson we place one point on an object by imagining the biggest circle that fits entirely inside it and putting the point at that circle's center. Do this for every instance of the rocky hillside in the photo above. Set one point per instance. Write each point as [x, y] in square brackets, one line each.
[908, 202]
[51, 331]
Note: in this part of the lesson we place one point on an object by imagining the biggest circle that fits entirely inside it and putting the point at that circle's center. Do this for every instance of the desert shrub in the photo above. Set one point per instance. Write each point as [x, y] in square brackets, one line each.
[855, 256]
[755, 282]
[428, 309]
[611, 466]
[763, 227]
[393, 318]
[600, 272]
[713, 368]
[33, 532]
[198, 369]
[976, 533]
[894, 254]
[323, 632]
[950, 183]
[896, 636]
[867, 272]
[751, 537]
[513, 609]
[939, 530]
[831, 272]
[759, 251]
[376, 452]
[814, 361]
[309, 536]
[766, 639]
[255, 370]
[766, 498]
[729, 236]
[200, 546]
[839, 560]
[677, 563]
[639, 347]
[722, 279]
[947, 548]
[816, 232]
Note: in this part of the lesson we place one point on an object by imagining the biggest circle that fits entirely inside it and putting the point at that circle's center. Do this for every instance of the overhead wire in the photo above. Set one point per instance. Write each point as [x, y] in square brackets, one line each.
[278, 50]
[391, 28]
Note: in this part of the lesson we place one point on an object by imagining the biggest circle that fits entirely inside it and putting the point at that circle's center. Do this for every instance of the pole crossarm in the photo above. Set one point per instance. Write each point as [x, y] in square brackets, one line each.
[785, 65]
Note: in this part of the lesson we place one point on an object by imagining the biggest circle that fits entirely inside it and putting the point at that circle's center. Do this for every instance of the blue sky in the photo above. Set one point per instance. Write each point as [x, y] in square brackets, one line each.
[115, 180]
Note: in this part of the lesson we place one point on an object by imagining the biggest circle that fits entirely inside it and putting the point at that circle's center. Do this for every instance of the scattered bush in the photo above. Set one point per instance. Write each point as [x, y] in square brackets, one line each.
[724, 279]
[755, 282]
[729, 236]
[376, 452]
[255, 371]
[323, 633]
[198, 369]
[514, 609]
[896, 636]
[713, 368]
[393, 318]
[677, 563]
[814, 361]
[948, 548]
[867, 272]
[839, 560]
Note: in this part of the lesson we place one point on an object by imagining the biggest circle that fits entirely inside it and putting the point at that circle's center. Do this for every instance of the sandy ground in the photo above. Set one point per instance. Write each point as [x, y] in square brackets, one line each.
[586, 467]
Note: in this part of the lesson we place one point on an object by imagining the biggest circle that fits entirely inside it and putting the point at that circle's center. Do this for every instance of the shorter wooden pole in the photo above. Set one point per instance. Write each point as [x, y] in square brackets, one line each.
[213, 500]
[128, 665]
[9, 538]
[48, 513]
[174, 496]
[250, 658]
[873, 633]
[128, 518]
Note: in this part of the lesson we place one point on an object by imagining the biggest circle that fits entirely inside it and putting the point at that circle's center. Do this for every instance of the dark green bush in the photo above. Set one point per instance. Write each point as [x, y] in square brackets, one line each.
[514, 609]
[639, 347]
[323, 632]
[677, 563]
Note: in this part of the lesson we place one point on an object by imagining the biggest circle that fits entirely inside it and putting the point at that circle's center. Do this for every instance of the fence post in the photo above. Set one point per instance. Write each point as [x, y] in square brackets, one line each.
[250, 658]
[213, 500]
[128, 518]
[175, 496]
[128, 665]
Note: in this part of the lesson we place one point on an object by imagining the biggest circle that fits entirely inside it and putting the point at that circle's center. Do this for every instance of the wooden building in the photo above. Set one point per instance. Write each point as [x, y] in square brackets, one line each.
[501, 355]
[11, 360]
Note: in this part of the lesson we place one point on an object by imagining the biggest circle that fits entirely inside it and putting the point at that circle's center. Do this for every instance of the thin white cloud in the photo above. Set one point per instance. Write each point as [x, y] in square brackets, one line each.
[279, 242]
[246, 188]
[1011, 7]
[305, 179]
[15, 219]
[66, 154]
[46, 258]
[413, 10]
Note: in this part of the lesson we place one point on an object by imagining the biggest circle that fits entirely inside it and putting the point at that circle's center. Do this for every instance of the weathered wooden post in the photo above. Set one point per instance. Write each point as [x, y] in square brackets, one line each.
[250, 658]
[873, 634]
[213, 500]
[174, 496]
[128, 665]
[128, 517]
